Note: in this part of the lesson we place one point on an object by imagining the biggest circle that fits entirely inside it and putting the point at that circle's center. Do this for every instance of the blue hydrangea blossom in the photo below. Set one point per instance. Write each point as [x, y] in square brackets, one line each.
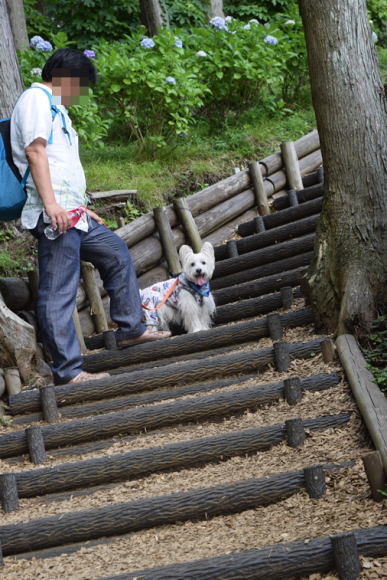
[36, 71]
[289, 23]
[170, 80]
[374, 36]
[90, 53]
[34, 41]
[178, 43]
[254, 21]
[147, 43]
[270, 40]
[228, 19]
[247, 27]
[201, 53]
[219, 23]
[43, 46]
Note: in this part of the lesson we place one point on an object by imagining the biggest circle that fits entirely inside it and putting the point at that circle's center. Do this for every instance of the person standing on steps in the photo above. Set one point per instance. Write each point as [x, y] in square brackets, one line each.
[43, 138]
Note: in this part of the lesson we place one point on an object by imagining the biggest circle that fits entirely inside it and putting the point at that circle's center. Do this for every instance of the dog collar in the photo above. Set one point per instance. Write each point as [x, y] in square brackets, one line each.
[203, 290]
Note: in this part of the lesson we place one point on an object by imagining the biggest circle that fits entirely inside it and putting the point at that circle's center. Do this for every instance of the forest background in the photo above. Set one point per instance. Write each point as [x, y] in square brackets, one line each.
[175, 113]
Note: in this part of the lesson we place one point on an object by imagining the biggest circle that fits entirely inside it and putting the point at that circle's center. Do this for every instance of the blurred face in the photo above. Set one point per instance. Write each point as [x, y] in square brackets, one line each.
[68, 88]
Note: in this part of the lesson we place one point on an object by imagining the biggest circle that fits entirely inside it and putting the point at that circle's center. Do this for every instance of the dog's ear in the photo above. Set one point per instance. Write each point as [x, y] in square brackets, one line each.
[208, 251]
[184, 253]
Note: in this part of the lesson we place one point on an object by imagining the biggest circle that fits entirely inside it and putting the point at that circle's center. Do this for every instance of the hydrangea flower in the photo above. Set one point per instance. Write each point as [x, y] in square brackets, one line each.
[219, 23]
[36, 71]
[178, 43]
[254, 21]
[89, 53]
[374, 36]
[289, 22]
[147, 43]
[228, 19]
[270, 40]
[44, 46]
[265, 25]
[170, 80]
[247, 27]
[34, 41]
[201, 53]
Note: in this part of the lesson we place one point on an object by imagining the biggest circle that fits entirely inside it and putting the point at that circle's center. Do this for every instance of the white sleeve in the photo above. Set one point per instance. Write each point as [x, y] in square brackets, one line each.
[33, 117]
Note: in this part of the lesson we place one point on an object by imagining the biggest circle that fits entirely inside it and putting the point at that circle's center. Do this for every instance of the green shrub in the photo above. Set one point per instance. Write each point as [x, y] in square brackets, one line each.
[377, 11]
[376, 353]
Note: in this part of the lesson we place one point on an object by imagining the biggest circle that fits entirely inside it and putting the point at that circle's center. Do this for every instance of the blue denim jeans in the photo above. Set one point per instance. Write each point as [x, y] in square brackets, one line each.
[59, 272]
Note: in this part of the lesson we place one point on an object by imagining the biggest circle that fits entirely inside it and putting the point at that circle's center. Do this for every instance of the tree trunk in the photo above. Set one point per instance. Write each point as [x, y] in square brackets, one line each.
[18, 23]
[347, 277]
[217, 8]
[154, 15]
[11, 82]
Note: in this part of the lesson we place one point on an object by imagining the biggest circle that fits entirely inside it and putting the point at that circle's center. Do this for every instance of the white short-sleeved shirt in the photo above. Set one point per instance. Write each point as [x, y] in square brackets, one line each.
[31, 119]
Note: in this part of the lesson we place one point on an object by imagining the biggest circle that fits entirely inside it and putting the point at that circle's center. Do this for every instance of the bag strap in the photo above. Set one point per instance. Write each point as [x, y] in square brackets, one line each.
[165, 297]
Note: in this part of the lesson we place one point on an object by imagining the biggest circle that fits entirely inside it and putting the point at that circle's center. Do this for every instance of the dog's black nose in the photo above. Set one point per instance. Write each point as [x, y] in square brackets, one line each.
[198, 270]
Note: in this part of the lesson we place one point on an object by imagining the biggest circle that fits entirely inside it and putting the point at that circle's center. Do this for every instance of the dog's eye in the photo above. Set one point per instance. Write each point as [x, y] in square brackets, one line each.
[193, 264]
[203, 263]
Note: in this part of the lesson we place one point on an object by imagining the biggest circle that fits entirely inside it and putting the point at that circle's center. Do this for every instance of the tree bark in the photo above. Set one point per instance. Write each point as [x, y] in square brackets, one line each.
[18, 23]
[11, 82]
[154, 15]
[217, 8]
[348, 275]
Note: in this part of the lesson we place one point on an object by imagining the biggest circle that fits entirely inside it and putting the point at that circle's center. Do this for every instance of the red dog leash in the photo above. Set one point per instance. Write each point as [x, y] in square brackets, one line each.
[165, 298]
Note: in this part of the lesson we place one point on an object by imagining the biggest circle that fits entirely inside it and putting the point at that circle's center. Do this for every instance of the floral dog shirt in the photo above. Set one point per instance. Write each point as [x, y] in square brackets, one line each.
[152, 296]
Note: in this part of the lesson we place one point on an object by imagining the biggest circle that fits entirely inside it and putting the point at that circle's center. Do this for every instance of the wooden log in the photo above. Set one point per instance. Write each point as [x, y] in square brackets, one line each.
[35, 445]
[224, 232]
[346, 556]
[318, 382]
[1, 556]
[265, 256]
[287, 297]
[245, 362]
[144, 513]
[292, 166]
[276, 267]
[12, 381]
[87, 323]
[49, 406]
[167, 241]
[258, 288]
[259, 188]
[114, 195]
[315, 481]
[370, 399]
[78, 330]
[142, 462]
[320, 174]
[8, 492]
[16, 294]
[375, 474]
[232, 249]
[189, 224]
[275, 326]
[295, 432]
[293, 199]
[221, 214]
[310, 179]
[293, 390]
[291, 214]
[328, 350]
[282, 356]
[297, 559]
[94, 297]
[308, 194]
[259, 224]
[189, 343]
[2, 385]
[271, 237]
[109, 340]
[304, 146]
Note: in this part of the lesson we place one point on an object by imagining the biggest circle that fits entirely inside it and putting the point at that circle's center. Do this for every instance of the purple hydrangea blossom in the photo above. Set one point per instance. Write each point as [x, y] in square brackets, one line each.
[36, 71]
[219, 23]
[44, 46]
[90, 54]
[270, 40]
[34, 41]
[170, 80]
[265, 25]
[147, 43]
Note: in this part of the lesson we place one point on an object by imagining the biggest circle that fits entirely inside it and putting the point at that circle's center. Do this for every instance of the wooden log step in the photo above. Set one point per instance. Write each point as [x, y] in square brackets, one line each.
[259, 287]
[298, 261]
[265, 256]
[314, 556]
[141, 462]
[320, 382]
[270, 237]
[311, 179]
[303, 195]
[291, 214]
[189, 343]
[149, 512]
[244, 362]
[130, 421]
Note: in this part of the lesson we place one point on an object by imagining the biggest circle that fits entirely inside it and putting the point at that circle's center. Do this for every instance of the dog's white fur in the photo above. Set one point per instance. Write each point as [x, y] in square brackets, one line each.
[189, 313]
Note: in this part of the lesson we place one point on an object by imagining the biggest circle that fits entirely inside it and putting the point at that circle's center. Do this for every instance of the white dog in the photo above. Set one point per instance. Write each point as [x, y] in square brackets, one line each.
[190, 302]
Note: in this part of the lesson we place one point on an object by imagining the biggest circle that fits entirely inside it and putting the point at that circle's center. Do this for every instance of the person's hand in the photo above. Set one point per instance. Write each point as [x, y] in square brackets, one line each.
[96, 218]
[59, 217]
